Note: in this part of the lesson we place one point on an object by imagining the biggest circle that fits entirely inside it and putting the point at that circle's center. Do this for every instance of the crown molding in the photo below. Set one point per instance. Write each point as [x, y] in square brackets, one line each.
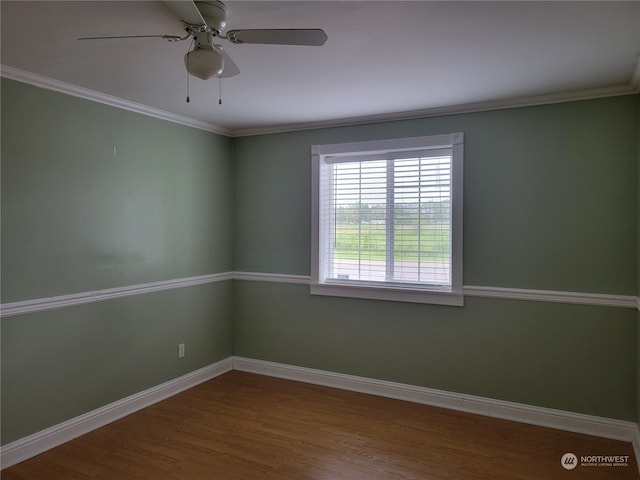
[73, 90]
[588, 94]
[518, 102]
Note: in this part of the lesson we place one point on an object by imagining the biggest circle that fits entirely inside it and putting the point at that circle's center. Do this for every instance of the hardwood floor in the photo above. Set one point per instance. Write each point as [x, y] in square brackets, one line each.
[245, 426]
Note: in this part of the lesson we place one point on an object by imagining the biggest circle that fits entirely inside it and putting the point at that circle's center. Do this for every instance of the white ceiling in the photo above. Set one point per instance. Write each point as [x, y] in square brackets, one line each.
[382, 59]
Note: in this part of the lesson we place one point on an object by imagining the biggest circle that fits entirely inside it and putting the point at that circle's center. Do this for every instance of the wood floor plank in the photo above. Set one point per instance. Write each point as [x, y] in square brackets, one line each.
[242, 426]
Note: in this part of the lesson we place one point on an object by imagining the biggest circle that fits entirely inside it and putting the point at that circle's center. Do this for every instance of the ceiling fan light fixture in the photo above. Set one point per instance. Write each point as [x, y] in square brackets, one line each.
[204, 62]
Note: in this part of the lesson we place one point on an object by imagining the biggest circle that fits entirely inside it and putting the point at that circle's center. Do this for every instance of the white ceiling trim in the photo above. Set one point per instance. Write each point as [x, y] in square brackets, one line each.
[73, 90]
[588, 94]
[58, 86]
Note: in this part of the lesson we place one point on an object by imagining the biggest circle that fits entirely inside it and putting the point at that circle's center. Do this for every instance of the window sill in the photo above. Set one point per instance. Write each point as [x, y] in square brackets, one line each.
[396, 294]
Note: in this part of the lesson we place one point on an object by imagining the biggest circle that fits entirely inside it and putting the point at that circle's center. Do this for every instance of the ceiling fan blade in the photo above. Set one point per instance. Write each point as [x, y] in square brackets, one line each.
[186, 11]
[171, 38]
[230, 67]
[279, 36]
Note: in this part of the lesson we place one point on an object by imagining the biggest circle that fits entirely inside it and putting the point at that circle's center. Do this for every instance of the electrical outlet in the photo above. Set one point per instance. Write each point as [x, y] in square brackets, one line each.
[180, 350]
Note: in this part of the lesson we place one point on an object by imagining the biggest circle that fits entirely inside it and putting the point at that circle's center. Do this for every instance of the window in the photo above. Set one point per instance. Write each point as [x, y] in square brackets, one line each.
[387, 219]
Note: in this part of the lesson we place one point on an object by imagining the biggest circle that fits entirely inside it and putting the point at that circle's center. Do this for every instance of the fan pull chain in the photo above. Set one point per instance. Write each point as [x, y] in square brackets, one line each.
[187, 84]
[191, 45]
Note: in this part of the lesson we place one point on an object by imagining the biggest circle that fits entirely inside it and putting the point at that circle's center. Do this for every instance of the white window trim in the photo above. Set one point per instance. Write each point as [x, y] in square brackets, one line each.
[412, 293]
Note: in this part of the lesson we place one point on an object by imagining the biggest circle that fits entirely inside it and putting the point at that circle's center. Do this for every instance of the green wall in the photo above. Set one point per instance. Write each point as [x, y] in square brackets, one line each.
[77, 218]
[549, 203]
[59, 364]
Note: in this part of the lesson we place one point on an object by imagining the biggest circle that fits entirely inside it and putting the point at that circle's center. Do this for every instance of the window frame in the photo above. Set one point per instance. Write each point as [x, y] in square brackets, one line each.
[403, 292]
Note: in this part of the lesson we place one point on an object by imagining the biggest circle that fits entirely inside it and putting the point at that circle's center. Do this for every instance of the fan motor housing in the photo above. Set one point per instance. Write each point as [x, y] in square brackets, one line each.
[214, 13]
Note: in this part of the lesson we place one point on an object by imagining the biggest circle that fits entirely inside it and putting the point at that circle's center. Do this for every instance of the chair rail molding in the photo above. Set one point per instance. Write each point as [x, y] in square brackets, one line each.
[61, 301]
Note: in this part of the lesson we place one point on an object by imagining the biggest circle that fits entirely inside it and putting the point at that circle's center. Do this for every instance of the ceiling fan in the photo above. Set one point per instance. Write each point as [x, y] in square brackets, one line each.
[205, 20]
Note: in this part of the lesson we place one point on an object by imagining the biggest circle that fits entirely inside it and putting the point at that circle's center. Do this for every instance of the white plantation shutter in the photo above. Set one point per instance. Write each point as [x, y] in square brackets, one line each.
[388, 220]
[384, 217]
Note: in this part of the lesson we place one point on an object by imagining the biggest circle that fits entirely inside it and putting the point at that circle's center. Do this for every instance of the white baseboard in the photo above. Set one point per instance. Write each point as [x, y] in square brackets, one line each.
[545, 417]
[44, 440]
